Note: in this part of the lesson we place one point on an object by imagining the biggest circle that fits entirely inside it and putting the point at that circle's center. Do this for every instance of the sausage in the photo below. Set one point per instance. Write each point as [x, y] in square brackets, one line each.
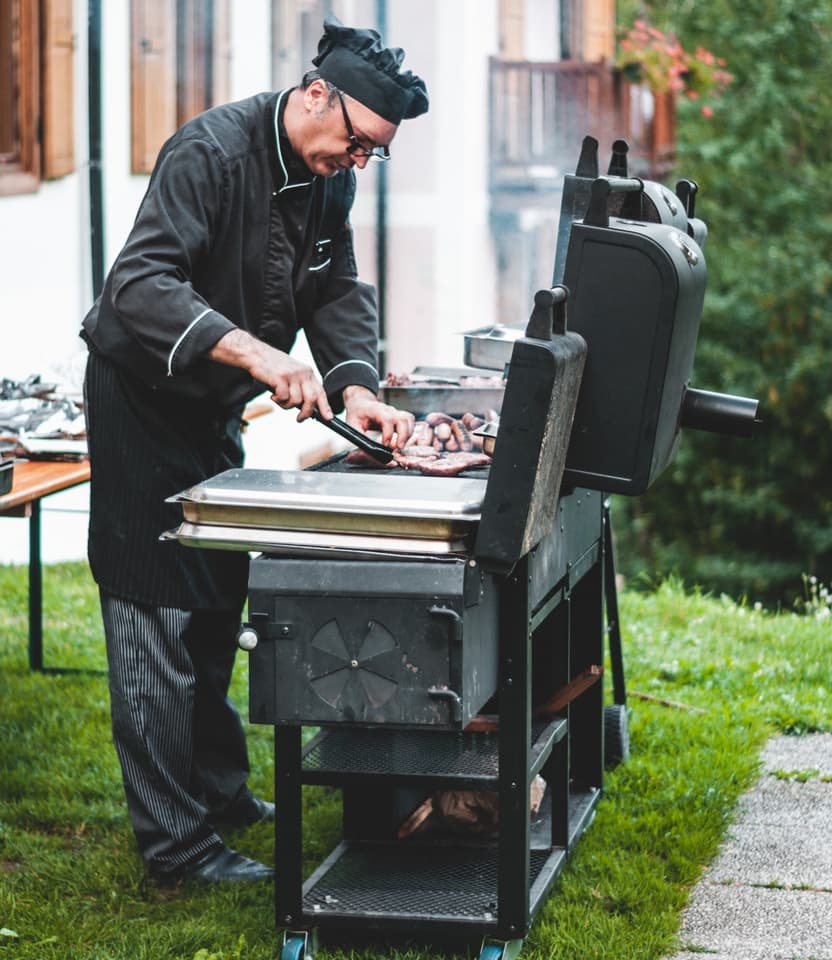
[461, 435]
[453, 463]
[432, 419]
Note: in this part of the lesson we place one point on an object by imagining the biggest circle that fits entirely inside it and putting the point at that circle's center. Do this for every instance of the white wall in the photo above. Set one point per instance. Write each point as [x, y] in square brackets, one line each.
[441, 277]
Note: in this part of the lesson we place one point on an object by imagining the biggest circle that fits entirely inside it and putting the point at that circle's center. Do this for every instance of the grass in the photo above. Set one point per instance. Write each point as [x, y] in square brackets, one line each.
[72, 886]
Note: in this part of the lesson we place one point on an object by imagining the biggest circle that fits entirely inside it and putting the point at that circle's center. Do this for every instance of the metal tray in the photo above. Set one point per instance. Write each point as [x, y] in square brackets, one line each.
[439, 392]
[356, 503]
[310, 544]
[490, 348]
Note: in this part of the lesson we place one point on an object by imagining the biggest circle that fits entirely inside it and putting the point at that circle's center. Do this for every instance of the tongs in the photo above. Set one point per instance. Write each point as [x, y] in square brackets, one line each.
[376, 450]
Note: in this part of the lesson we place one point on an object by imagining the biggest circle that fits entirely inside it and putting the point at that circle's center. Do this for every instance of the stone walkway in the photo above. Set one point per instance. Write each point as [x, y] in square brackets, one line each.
[768, 894]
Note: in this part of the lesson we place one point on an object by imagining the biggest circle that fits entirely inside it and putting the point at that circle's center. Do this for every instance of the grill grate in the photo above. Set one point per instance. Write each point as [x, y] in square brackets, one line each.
[459, 758]
[430, 882]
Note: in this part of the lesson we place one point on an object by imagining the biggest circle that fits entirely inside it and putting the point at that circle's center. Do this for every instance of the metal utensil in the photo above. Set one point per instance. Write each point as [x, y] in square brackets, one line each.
[376, 450]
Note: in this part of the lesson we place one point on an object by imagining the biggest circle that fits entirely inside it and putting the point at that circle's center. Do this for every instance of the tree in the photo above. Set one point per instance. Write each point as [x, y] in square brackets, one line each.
[750, 517]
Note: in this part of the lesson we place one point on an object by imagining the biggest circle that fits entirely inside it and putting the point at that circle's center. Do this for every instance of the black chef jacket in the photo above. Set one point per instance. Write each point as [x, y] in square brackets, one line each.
[233, 232]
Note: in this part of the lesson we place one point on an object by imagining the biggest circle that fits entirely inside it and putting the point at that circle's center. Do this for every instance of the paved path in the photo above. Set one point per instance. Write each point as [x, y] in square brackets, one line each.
[768, 894]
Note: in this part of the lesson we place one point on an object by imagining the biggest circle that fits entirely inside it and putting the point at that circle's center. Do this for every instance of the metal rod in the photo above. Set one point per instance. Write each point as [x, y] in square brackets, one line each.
[719, 413]
[95, 140]
[35, 591]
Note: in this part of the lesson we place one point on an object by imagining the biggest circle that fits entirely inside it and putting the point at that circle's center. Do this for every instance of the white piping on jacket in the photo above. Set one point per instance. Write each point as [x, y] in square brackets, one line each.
[286, 184]
[343, 363]
[185, 333]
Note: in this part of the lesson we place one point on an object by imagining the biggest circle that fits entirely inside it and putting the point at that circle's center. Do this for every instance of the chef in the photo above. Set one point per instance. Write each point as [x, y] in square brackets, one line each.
[241, 241]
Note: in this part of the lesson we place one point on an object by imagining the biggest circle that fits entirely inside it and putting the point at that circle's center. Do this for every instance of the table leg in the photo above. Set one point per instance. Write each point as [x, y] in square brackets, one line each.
[35, 591]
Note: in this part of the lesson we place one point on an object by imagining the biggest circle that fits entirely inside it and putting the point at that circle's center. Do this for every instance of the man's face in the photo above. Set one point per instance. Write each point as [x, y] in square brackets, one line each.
[324, 143]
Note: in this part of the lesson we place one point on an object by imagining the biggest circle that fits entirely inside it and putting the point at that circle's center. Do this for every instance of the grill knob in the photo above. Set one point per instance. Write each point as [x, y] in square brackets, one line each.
[247, 639]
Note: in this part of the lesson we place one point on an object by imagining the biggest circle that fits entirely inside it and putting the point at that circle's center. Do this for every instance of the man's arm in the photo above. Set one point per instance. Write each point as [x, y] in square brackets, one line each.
[292, 384]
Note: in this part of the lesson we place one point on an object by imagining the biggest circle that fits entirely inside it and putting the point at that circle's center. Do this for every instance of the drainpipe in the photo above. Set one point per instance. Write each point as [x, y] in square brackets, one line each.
[94, 123]
[381, 227]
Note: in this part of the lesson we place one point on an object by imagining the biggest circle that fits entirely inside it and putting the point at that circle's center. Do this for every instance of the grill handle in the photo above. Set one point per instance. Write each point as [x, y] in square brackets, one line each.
[597, 215]
[549, 313]
[719, 413]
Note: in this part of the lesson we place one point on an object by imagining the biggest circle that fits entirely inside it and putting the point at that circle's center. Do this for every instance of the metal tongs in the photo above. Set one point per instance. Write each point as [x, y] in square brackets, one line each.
[376, 450]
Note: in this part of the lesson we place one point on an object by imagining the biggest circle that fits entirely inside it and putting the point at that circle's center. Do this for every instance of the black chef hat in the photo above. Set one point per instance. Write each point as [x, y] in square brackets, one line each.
[356, 62]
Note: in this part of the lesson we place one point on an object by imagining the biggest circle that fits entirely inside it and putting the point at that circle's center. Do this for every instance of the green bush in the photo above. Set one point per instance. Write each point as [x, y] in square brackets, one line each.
[750, 517]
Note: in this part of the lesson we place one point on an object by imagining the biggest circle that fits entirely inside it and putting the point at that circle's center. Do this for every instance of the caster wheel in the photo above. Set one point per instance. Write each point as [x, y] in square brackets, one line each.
[616, 735]
[491, 951]
[294, 948]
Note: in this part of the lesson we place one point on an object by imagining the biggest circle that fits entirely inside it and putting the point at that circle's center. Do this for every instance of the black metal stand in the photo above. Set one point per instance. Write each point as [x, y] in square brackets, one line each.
[444, 885]
[35, 590]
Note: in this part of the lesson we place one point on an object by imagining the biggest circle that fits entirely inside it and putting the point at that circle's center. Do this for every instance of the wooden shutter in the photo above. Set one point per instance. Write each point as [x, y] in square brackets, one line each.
[153, 79]
[221, 52]
[512, 14]
[20, 157]
[58, 99]
[598, 41]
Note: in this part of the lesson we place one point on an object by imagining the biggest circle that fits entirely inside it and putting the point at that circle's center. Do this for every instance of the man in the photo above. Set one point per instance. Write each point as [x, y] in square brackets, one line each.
[241, 241]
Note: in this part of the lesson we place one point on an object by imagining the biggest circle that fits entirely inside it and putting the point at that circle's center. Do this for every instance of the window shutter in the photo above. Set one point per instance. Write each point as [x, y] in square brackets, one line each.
[153, 79]
[598, 30]
[512, 24]
[222, 52]
[58, 99]
[20, 153]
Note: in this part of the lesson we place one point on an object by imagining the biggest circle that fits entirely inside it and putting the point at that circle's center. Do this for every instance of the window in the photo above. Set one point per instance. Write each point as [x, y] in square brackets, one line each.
[179, 67]
[36, 93]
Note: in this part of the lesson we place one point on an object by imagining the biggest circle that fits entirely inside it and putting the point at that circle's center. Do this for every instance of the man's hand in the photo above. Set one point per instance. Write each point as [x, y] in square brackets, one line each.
[293, 384]
[365, 411]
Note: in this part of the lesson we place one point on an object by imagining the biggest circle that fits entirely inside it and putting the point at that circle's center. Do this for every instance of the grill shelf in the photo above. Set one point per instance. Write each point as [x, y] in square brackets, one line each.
[408, 885]
[460, 760]
[436, 883]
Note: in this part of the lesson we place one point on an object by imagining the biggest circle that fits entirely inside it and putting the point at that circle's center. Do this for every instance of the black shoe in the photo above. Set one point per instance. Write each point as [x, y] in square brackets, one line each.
[218, 865]
[246, 814]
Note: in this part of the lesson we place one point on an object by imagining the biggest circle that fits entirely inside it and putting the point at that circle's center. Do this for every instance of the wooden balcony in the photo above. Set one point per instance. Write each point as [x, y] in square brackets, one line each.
[540, 113]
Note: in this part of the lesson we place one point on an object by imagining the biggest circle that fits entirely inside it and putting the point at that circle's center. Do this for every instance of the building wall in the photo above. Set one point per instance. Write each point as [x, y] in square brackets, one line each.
[441, 274]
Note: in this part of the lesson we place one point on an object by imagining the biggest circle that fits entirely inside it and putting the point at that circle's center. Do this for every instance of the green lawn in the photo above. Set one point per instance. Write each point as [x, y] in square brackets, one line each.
[709, 680]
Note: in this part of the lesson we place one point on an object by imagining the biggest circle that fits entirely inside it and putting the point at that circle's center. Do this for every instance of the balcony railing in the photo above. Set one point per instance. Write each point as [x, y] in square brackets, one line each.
[540, 113]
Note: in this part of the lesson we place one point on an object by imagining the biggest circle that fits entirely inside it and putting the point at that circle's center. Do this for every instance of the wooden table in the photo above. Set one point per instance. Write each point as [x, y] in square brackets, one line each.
[32, 480]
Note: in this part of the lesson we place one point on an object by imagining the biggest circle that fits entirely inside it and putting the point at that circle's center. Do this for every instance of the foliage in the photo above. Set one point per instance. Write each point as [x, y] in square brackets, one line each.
[816, 600]
[72, 885]
[647, 55]
[752, 516]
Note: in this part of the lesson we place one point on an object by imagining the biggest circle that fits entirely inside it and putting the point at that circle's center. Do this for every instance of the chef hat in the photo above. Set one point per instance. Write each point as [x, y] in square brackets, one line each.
[357, 63]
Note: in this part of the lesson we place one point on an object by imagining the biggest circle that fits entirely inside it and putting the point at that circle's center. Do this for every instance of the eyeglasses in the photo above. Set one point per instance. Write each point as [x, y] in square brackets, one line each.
[356, 149]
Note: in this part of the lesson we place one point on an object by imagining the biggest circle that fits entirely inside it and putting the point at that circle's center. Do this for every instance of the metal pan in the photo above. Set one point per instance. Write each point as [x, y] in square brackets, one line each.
[358, 503]
[438, 389]
[310, 544]
[490, 347]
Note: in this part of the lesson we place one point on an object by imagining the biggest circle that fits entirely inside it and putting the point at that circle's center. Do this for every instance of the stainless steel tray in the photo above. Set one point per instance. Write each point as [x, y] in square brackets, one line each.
[440, 391]
[490, 347]
[354, 503]
[310, 544]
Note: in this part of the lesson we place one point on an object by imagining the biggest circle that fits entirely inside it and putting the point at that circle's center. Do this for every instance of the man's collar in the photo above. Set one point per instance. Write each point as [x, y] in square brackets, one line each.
[294, 171]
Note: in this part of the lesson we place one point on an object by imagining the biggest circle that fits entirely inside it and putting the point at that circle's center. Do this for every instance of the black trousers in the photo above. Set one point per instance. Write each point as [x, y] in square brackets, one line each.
[179, 739]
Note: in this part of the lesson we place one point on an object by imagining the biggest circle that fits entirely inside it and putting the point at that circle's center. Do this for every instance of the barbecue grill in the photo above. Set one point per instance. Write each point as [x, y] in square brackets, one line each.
[446, 636]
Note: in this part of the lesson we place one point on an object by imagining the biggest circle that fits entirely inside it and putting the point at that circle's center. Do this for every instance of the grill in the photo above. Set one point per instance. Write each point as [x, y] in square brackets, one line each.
[448, 634]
